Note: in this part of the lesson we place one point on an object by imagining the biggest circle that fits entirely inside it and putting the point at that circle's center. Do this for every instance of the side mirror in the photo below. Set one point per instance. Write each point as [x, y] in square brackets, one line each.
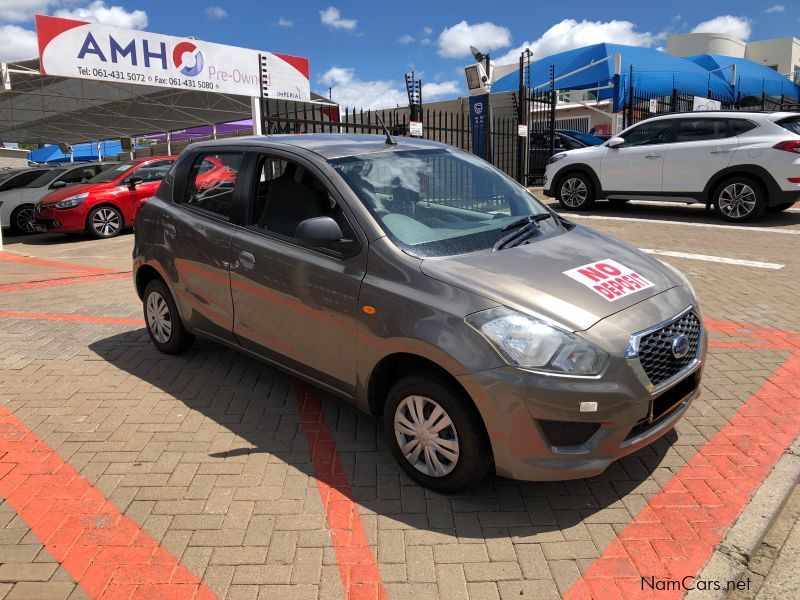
[615, 142]
[57, 185]
[317, 232]
[134, 181]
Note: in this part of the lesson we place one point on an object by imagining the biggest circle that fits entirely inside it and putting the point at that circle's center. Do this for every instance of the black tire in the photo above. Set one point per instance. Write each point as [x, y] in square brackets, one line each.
[104, 222]
[22, 220]
[576, 191]
[177, 340]
[474, 459]
[739, 199]
[780, 207]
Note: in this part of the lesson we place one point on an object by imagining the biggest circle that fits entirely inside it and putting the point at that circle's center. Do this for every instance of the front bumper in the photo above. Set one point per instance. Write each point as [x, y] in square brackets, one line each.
[548, 427]
[51, 219]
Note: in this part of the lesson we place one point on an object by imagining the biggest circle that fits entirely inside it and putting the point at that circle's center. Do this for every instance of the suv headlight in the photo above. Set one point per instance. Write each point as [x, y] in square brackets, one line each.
[72, 201]
[556, 157]
[530, 343]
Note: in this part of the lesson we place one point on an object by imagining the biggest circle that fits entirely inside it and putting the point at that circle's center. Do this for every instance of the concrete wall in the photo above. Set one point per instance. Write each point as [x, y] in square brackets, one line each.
[782, 54]
[689, 44]
[12, 157]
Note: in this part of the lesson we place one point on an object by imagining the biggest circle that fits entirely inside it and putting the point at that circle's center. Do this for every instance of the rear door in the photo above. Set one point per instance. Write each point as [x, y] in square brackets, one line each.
[637, 165]
[701, 147]
[198, 233]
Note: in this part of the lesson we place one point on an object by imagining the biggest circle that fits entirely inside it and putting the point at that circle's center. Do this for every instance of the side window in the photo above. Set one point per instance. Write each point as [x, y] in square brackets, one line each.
[698, 130]
[647, 134]
[211, 189]
[20, 180]
[74, 176]
[286, 194]
[154, 171]
[740, 126]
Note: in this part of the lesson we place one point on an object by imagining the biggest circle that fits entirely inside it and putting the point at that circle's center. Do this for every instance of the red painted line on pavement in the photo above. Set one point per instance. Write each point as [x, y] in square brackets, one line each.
[69, 317]
[105, 552]
[9, 257]
[358, 569]
[674, 535]
[29, 285]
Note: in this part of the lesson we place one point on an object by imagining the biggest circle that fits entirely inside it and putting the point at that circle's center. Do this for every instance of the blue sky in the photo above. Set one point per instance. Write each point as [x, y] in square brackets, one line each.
[362, 49]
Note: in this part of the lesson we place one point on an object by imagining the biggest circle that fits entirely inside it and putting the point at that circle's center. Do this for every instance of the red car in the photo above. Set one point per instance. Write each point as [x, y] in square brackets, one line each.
[106, 203]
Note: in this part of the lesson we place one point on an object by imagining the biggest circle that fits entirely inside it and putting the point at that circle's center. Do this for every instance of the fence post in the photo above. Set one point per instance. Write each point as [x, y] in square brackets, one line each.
[629, 111]
[552, 120]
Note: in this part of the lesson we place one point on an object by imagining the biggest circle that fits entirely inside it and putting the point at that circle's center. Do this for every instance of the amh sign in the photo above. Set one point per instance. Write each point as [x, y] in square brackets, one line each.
[83, 50]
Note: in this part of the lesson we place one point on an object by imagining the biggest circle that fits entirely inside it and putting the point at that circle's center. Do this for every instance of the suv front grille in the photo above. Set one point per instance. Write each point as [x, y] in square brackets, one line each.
[655, 348]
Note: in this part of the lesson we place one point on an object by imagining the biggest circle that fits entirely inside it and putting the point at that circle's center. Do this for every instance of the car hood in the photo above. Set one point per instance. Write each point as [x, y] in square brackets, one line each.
[66, 192]
[587, 150]
[531, 278]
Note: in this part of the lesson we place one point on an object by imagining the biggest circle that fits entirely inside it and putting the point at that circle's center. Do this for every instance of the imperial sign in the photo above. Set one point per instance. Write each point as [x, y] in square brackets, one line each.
[609, 279]
[90, 51]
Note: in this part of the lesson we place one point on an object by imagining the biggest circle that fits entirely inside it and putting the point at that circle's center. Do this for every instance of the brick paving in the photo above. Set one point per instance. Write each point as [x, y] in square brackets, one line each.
[209, 453]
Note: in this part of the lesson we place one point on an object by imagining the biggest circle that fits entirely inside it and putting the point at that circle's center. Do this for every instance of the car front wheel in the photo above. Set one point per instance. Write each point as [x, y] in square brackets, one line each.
[576, 192]
[22, 220]
[162, 320]
[740, 199]
[436, 434]
[104, 222]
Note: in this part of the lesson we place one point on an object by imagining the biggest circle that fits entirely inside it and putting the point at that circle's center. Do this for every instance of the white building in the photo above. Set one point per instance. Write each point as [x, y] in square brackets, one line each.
[781, 54]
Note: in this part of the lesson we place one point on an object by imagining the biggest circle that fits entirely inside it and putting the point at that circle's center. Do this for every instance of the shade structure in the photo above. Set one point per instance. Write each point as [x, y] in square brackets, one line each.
[654, 73]
[53, 154]
[748, 78]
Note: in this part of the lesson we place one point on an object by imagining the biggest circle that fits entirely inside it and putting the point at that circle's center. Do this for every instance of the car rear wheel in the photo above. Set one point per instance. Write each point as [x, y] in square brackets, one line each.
[576, 192]
[740, 199]
[162, 320]
[22, 219]
[438, 441]
[104, 222]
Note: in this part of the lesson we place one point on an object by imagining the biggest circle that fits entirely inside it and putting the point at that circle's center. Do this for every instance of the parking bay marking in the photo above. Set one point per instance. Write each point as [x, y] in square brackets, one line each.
[754, 229]
[715, 259]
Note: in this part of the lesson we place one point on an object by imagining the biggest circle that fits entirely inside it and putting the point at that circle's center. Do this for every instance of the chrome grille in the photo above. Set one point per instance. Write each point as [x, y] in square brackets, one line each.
[655, 348]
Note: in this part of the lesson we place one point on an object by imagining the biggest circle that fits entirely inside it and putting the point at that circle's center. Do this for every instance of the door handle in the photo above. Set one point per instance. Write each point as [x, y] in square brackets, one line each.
[653, 156]
[721, 151]
[246, 260]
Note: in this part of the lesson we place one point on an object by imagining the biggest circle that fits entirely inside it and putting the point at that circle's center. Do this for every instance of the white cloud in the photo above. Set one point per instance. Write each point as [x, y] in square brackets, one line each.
[349, 91]
[216, 12]
[285, 22]
[332, 17]
[406, 39]
[454, 42]
[18, 11]
[423, 38]
[18, 43]
[98, 12]
[738, 27]
[569, 34]
[775, 8]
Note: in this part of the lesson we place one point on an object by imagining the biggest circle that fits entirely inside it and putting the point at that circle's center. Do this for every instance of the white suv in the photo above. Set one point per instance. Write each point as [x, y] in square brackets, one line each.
[742, 163]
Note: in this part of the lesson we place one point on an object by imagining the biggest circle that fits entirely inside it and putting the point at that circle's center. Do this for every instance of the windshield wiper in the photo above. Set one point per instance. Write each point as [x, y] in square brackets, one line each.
[523, 229]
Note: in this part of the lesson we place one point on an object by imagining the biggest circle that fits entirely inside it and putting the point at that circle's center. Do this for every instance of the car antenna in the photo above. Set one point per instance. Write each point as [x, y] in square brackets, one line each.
[389, 139]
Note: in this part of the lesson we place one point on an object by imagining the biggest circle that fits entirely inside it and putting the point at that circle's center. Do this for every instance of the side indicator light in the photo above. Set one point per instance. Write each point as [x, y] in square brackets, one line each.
[370, 310]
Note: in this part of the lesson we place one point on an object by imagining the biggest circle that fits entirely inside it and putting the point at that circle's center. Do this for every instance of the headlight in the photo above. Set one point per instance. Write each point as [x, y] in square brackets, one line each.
[72, 201]
[556, 157]
[530, 343]
[680, 276]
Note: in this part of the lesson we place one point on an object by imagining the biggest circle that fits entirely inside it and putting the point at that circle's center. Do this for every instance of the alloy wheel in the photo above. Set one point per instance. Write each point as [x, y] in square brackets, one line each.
[24, 220]
[737, 200]
[426, 436]
[106, 222]
[159, 319]
[574, 192]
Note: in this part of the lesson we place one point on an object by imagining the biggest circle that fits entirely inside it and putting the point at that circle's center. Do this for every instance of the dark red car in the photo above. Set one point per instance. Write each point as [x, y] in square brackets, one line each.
[108, 202]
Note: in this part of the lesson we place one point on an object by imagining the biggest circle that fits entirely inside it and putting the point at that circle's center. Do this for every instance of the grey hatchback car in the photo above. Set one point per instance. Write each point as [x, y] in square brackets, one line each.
[428, 288]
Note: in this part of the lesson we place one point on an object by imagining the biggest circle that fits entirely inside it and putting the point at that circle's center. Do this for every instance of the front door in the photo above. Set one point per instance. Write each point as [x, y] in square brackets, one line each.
[292, 304]
[637, 165]
[150, 175]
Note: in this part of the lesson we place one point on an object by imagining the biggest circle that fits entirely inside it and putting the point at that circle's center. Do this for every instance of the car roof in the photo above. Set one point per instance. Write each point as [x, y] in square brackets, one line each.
[328, 145]
[728, 114]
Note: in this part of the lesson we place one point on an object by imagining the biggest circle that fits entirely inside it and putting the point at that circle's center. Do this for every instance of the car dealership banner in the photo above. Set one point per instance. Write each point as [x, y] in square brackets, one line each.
[83, 50]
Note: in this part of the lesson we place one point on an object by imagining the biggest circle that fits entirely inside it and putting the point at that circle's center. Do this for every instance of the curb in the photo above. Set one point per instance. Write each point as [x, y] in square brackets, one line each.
[730, 558]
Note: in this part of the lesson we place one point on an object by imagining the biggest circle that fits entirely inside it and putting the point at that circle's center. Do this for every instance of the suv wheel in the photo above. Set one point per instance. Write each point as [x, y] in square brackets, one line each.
[22, 219]
[434, 436]
[575, 191]
[163, 322]
[104, 222]
[740, 199]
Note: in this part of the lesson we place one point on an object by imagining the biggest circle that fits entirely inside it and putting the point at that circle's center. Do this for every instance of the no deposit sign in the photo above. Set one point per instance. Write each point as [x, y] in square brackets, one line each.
[609, 279]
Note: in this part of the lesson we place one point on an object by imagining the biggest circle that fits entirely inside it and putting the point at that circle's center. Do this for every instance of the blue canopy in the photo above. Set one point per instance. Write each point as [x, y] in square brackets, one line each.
[81, 152]
[655, 73]
[752, 79]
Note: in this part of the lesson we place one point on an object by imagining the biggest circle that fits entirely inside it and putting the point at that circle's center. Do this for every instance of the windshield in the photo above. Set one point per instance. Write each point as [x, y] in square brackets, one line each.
[45, 178]
[586, 138]
[6, 175]
[111, 174]
[438, 202]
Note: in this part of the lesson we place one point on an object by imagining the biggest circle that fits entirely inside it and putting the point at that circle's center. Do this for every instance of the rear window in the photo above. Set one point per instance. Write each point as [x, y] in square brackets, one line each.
[791, 124]
[740, 126]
